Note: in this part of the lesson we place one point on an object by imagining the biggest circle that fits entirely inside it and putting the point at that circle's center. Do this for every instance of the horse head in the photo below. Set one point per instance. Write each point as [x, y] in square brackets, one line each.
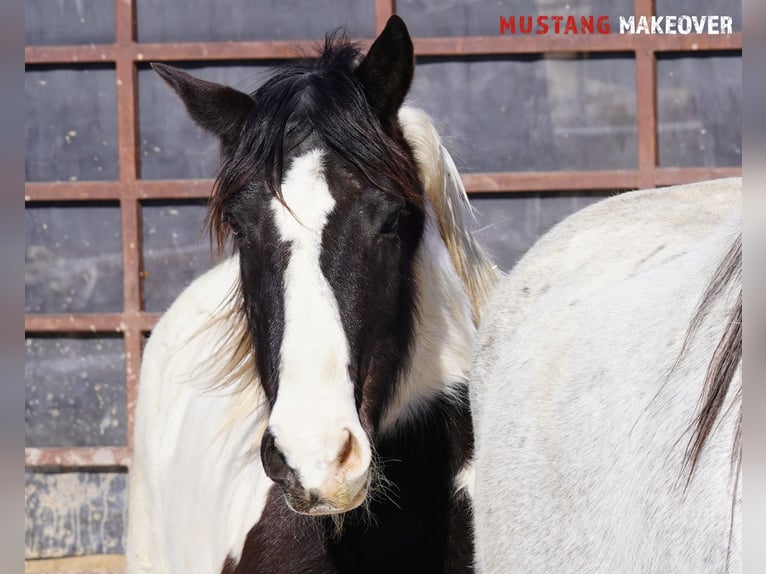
[320, 193]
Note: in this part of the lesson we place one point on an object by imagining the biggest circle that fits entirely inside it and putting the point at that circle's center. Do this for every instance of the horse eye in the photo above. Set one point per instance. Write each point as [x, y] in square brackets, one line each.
[233, 224]
[391, 222]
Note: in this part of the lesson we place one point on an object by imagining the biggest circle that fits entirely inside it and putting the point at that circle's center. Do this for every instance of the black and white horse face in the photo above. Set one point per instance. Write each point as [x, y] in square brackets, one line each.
[320, 191]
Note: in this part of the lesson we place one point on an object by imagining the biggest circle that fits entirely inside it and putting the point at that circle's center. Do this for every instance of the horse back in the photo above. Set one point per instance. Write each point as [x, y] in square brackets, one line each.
[586, 390]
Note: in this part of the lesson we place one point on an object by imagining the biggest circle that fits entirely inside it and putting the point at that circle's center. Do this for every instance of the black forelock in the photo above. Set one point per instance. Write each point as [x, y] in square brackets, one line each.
[314, 96]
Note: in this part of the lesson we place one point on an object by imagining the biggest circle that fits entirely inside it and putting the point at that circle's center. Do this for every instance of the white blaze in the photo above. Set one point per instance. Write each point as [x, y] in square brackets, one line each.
[315, 400]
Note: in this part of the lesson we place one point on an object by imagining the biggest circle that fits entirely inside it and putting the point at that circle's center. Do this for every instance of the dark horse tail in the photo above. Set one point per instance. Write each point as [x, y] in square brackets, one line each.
[720, 373]
[723, 364]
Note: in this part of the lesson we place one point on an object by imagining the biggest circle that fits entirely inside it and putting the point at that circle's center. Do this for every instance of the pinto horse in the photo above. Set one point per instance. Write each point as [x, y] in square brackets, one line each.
[606, 392]
[303, 406]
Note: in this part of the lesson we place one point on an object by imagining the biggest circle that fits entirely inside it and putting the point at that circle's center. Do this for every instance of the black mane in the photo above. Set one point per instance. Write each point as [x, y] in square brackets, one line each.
[314, 96]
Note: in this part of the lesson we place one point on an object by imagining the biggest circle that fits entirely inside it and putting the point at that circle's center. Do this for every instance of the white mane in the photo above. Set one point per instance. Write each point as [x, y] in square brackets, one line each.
[446, 194]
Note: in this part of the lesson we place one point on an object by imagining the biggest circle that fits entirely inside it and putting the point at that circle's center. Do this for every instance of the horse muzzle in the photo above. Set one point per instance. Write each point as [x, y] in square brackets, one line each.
[343, 497]
[331, 484]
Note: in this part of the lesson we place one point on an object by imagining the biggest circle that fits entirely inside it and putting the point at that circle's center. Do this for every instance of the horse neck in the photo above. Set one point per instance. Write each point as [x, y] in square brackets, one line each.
[444, 333]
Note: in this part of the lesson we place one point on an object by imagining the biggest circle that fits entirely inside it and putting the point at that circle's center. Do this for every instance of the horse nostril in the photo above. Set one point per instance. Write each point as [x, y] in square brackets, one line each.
[273, 460]
[348, 450]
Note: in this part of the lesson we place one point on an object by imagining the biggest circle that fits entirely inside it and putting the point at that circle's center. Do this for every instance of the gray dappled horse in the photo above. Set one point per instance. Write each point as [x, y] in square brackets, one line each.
[606, 392]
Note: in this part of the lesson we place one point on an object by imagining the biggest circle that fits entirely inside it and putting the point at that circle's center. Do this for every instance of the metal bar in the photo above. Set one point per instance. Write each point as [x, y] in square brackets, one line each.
[133, 348]
[90, 323]
[549, 181]
[446, 46]
[676, 175]
[87, 323]
[146, 321]
[130, 208]
[490, 45]
[646, 115]
[70, 191]
[646, 103]
[112, 190]
[384, 9]
[92, 53]
[130, 213]
[205, 51]
[90, 457]
[175, 189]
[125, 21]
[126, 120]
[474, 182]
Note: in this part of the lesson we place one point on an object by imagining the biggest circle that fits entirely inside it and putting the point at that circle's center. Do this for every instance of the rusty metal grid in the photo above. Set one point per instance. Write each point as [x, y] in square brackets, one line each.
[126, 53]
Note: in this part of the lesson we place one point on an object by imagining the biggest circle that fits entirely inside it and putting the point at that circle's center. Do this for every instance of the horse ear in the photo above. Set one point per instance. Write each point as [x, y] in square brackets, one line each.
[386, 72]
[216, 108]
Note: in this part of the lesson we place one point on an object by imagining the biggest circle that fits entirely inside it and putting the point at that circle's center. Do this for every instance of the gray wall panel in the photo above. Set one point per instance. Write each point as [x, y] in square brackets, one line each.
[73, 514]
[71, 124]
[68, 22]
[176, 250]
[73, 258]
[699, 121]
[75, 391]
[238, 20]
[532, 113]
